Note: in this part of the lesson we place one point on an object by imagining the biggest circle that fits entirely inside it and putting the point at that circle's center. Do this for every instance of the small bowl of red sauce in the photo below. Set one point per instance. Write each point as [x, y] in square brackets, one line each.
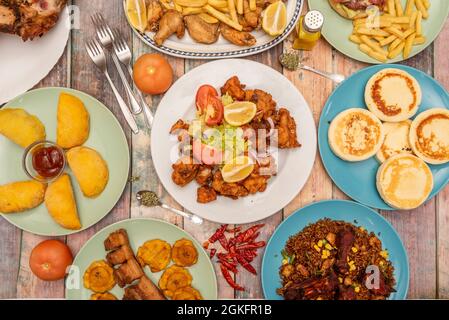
[44, 161]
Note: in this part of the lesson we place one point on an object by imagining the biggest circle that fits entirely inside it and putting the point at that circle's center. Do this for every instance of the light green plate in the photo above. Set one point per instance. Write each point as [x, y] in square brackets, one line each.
[337, 29]
[140, 231]
[106, 136]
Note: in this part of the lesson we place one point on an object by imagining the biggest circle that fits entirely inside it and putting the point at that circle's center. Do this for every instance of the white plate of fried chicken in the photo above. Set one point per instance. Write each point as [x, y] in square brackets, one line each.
[188, 36]
[292, 160]
[33, 35]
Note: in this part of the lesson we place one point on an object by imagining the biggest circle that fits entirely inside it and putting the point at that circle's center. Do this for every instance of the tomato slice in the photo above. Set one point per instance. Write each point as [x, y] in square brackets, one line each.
[202, 96]
[214, 111]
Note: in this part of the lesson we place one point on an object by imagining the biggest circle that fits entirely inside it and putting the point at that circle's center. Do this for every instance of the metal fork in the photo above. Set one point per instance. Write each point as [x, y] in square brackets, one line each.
[98, 56]
[104, 34]
[124, 55]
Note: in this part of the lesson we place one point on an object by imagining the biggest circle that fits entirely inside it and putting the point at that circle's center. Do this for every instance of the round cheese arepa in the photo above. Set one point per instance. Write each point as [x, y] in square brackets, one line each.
[404, 181]
[355, 135]
[429, 136]
[393, 95]
[396, 140]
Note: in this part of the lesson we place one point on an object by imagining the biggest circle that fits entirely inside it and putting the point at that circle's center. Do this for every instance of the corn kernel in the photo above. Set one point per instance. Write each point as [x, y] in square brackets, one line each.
[284, 261]
[357, 289]
[320, 243]
[340, 280]
[317, 248]
[352, 267]
[328, 246]
[354, 249]
[362, 229]
[384, 254]
[351, 262]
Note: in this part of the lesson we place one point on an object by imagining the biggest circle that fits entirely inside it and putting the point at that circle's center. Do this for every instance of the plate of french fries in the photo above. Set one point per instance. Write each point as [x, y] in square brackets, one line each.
[393, 33]
[212, 29]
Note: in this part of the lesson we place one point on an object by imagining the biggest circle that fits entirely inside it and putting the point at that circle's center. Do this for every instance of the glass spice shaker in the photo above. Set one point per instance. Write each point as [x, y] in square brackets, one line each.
[308, 30]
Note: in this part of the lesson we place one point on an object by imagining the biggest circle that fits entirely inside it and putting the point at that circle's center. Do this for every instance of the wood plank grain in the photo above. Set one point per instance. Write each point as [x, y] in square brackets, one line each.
[10, 261]
[28, 285]
[441, 67]
[417, 228]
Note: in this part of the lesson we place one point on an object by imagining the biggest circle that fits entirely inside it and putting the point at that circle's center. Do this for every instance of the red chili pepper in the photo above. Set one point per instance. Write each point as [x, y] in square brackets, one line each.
[254, 245]
[229, 266]
[233, 230]
[213, 251]
[246, 265]
[251, 231]
[218, 233]
[224, 242]
[229, 279]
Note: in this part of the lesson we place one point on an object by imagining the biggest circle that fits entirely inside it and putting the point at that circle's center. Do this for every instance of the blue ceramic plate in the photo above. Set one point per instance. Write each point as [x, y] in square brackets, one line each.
[358, 179]
[348, 211]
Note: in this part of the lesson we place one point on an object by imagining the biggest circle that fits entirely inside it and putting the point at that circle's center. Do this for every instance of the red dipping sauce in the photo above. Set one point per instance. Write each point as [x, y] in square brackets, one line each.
[48, 161]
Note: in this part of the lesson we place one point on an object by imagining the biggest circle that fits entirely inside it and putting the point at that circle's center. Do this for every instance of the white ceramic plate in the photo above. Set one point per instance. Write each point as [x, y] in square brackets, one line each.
[24, 64]
[188, 48]
[294, 166]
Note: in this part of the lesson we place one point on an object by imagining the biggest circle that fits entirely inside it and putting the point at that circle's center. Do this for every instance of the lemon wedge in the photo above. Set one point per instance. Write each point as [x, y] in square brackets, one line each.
[275, 18]
[238, 169]
[136, 11]
[240, 113]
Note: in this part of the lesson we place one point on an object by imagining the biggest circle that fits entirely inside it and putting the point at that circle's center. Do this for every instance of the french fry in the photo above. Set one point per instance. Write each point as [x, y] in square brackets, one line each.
[394, 44]
[252, 5]
[372, 32]
[355, 38]
[408, 32]
[191, 3]
[178, 8]
[391, 8]
[426, 3]
[223, 17]
[373, 45]
[240, 6]
[409, 7]
[232, 11]
[388, 40]
[373, 54]
[166, 5]
[396, 51]
[187, 11]
[408, 45]
[413, 17]
[398, 33]
[208, 18]
[419, 40]
[399, 9]
[379, 39]
[399, 20]
[418, 27]
[218, 3]
[420, 6]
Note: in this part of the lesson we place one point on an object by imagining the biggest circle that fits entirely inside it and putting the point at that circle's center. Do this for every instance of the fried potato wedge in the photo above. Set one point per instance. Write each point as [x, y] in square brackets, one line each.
[90, 170]
[99, 277]
[21, 196]
[184, 253]
[61, 205]
[173, 279]
[154, 253]
[103, 296]
[21, 127]
[187, 293]
[73, 122]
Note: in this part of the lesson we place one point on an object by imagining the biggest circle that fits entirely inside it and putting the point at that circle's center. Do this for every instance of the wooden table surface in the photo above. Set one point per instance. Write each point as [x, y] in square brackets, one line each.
[424, 231]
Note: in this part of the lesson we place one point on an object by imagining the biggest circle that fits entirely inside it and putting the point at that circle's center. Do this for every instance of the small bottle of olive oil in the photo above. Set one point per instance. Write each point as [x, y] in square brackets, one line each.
[308, 30]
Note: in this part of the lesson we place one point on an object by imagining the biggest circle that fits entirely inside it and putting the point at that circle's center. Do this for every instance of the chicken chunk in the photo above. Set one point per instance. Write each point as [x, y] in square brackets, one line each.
[145, 289]
[128, 272]
[171, 22]
[239, 38]
[154, 14]
[121, 255]
[200, 30]
[204, 175]
[231, 190]
[286, 125]
[184, 171]
[255, 183]
[266, 106]
[234, 88]
[206, 194]
[116, 239]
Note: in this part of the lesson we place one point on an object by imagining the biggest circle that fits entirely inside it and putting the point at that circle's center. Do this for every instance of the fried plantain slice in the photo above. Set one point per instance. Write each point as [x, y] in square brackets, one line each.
[174, 278]
[154, 253]
[187, 293]
[184, 253]
[103, 296]
[99, 277]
